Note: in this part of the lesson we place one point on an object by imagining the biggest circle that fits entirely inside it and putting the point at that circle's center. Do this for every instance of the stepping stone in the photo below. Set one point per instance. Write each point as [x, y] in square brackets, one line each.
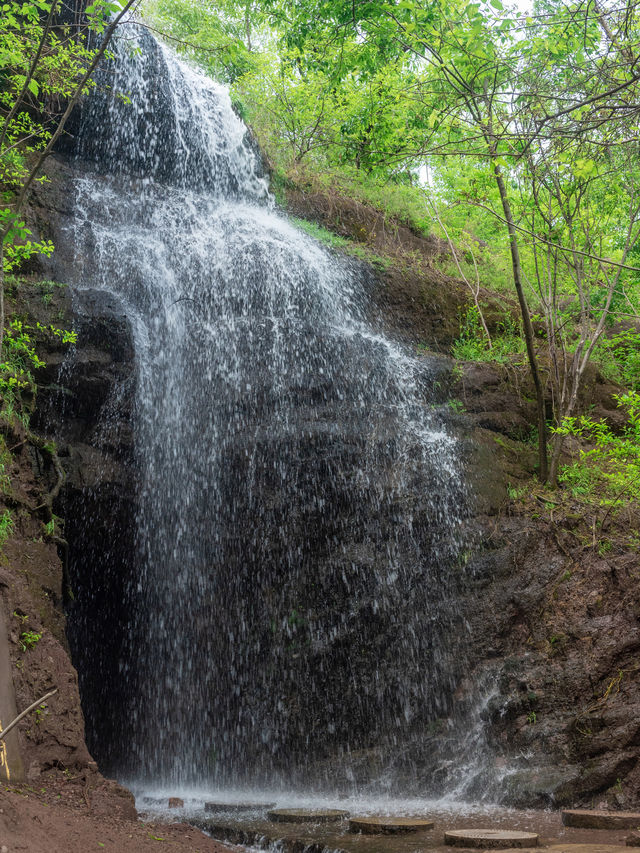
[307, 815]
[175, 803]
[597, 819]
[388, 825]
[490, 838]
[586, 848]
[154, 801]
[237, 807]
[633, 840]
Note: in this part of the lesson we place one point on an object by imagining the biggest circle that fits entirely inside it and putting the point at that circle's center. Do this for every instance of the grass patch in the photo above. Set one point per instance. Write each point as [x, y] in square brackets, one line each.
[341, 244]
[473, 344]
[6, 526]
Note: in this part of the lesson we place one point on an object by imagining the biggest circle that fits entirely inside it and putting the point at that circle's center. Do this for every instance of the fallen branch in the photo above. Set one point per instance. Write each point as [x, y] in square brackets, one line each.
[21, 716]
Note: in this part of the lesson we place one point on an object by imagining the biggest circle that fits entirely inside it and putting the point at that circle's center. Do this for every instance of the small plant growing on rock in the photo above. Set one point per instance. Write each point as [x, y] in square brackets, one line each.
[28, 640]
[6, 526]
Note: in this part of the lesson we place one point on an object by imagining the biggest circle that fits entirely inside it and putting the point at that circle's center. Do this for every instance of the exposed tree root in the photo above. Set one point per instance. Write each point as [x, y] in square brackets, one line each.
[46, 447]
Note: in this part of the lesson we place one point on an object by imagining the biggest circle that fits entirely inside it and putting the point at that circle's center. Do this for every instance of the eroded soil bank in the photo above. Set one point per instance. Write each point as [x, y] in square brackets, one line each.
[78, 814]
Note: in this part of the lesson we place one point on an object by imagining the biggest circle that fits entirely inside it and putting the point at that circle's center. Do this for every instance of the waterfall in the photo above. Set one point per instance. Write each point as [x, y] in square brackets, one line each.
[292, 616]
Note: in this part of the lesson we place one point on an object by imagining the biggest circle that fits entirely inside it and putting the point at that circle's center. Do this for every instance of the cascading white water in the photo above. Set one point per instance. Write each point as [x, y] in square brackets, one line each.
[293, 612]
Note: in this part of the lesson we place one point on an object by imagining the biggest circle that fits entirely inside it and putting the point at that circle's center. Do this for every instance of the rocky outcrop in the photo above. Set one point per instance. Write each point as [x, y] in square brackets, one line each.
[85, 402]
[33, 642]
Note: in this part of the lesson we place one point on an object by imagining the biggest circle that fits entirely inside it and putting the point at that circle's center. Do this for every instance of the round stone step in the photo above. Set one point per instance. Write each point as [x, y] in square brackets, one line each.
[490, 838]
[307, 815]
[237, 807]
[586, 848]
[176, 802]
[388, 825]
[600, 819]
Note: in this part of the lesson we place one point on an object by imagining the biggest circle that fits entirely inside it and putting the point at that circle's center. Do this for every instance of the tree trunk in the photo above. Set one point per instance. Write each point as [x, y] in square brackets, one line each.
[543, 462]
[558, 443]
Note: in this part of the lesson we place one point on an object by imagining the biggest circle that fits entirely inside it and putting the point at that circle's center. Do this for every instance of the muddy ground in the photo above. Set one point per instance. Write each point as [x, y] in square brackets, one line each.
[83, 813]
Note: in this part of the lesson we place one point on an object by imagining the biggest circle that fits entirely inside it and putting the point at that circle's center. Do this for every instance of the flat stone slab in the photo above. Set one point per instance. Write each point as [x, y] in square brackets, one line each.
[596, 819]
[493, 839]
[388, 825]
[587, 848]
[237, 807]
[307, 815]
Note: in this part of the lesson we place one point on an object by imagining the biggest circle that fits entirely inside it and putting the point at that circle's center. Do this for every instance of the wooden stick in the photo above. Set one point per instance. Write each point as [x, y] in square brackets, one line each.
[15, 722]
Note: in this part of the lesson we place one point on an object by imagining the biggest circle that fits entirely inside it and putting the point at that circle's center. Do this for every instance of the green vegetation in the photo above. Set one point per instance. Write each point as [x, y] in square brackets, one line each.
[20, 360]
[619, 357]
[599, 499]
[45, 67]
[42, 63]
[48, 288]
[607, 470]
[28, 639]
[6, 526]
[473, 345]
[334, 241]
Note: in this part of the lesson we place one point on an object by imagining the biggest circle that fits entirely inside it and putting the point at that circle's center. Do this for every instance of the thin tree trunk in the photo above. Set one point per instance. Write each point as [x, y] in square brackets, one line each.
[558, 444]
[247, 24]
[474, 290]
[543, 461]
[71, 105]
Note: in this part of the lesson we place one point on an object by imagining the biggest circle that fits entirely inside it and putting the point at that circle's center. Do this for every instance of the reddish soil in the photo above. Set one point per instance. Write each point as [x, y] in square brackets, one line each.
[67, 815]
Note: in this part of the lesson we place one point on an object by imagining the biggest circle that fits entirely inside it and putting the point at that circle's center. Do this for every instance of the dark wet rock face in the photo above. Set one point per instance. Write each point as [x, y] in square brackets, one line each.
[558, 633]
[85, 400]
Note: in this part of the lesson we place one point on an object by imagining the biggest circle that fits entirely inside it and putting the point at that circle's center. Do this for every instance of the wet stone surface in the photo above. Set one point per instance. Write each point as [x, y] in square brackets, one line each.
[601, 819]
[389, 825]
[233, 808]
[492, 839]
[544, 826]
[308, 815]
[317, 837]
